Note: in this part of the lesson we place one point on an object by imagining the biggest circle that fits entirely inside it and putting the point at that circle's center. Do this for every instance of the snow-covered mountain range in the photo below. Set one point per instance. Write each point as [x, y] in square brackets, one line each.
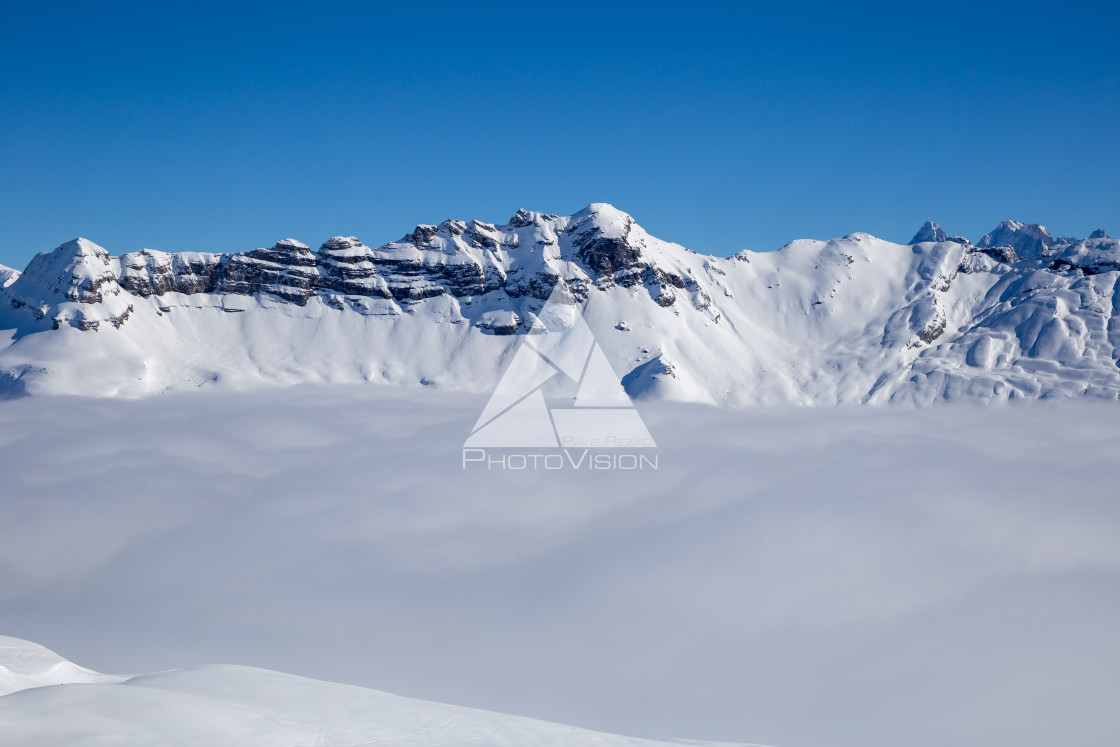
[47, 700]
[1019, 315]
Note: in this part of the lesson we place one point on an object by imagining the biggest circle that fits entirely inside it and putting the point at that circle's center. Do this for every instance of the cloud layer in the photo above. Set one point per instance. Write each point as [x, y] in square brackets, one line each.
[792, 577]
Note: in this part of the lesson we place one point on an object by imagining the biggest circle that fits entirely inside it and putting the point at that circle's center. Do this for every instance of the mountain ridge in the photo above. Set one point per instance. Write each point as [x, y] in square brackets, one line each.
[1019, 315]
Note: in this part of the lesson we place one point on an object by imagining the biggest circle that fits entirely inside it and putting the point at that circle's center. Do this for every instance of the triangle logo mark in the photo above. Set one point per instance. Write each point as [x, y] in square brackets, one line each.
[560, 350]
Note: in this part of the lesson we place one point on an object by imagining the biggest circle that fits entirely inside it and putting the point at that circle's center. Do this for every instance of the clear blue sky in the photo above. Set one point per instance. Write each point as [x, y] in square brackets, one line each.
[723, 127]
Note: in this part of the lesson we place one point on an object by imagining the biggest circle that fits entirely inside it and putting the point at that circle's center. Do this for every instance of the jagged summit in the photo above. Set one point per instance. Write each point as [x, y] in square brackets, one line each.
[929, 231]
[1029, 240]
[603, 215]
[524, 217]
[523, 260]
[1100, 233]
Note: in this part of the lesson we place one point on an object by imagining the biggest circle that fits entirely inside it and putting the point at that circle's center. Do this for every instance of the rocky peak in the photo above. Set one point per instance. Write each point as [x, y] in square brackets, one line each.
[453, 227]
[1029, 240]
[422, 235]
[604, 239]
[78, 270]
[286, 252]
[929, 231]
[343, 247]
[522, 218]
[1099, 234]
[482, 235]
[76, 284]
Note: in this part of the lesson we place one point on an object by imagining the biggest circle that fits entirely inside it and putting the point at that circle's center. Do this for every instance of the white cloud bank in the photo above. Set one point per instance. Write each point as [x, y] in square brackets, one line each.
[794, 577]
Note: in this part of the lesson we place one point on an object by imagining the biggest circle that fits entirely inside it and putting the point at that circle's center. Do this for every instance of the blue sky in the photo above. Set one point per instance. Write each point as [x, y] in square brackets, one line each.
[723, 127]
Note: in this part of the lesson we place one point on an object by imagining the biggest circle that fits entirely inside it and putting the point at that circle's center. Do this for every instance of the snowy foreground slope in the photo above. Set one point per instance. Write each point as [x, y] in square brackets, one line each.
[1020, 315]
[24, 665]
[46, 701]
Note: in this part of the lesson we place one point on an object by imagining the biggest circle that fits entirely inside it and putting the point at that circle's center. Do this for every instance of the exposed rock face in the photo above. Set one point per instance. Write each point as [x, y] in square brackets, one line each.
[288, 270]
[607, 255]
[348, 266]
[523, 259]
[1004, 254]
[151, 273]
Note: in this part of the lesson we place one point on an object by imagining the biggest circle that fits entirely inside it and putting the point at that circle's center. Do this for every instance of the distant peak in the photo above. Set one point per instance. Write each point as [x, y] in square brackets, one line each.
[929, 231]
[1009, 227]
[1099, 234]
[290, 244]
[1030, 240]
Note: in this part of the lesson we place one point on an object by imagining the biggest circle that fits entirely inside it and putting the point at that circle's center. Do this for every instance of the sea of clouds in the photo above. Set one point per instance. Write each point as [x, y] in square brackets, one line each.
[833, 576]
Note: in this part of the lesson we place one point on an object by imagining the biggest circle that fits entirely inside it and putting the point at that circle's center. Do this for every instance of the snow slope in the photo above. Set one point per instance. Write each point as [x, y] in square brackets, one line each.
[1021, 315]
[24, 665]
[7, 276]
[50, 701]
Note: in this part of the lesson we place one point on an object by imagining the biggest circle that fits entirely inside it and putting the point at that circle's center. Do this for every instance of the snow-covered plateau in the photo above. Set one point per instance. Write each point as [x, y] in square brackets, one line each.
[1019, 315]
